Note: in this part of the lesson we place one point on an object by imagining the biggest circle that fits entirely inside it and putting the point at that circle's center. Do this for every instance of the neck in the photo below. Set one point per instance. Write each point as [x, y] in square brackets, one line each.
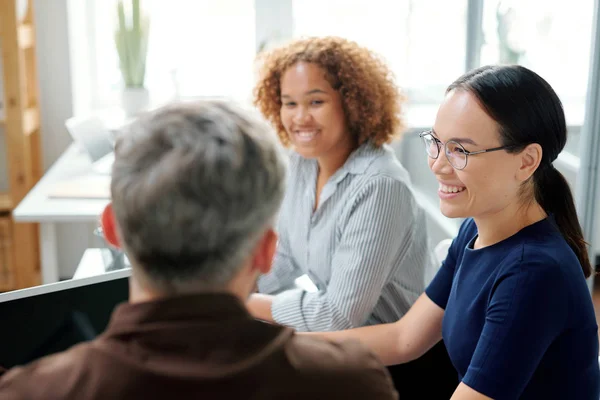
[142, 289]
[334, 160]
[495, 227]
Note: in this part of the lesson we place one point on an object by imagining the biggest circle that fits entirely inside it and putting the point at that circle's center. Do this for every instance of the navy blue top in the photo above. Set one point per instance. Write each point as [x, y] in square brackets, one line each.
[519, 320]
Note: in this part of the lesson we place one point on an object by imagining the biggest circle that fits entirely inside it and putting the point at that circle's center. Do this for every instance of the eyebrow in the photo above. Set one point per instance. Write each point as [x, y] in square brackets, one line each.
[458, 139]
[307, 93]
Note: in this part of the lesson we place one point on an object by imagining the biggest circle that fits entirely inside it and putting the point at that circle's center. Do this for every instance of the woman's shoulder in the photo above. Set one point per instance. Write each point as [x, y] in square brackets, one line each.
[543, 242]
[293, 157]
[540, 251]
[298, 165]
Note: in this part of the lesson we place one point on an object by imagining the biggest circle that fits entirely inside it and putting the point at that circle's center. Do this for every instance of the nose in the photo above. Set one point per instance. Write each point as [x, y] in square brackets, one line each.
[301, 116]
[440, 165]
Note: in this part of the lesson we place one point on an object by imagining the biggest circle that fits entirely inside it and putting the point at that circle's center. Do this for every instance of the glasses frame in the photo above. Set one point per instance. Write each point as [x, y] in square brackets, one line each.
[467, 153]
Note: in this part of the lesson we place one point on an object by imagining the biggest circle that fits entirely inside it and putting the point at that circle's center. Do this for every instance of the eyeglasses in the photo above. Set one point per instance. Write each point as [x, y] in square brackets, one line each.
[455, 153]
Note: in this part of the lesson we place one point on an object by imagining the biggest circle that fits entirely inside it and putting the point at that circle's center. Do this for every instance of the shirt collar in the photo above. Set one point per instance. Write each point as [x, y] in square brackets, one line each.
[358, 161]
[207, 306]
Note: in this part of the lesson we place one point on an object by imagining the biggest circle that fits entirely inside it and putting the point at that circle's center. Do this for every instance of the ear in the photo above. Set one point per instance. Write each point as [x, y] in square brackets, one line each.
[530, 159]
[264, 252]
[109, 228]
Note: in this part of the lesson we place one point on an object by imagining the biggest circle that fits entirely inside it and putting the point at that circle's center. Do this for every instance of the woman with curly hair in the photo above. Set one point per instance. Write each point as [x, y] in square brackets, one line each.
[349, 219]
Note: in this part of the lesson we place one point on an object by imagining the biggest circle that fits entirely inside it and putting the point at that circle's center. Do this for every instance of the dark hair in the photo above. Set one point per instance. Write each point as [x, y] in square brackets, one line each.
[527, 111]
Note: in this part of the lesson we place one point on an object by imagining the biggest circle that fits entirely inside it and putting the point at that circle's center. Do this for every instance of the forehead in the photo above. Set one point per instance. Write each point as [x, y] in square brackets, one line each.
[304, 76]
[460, 115]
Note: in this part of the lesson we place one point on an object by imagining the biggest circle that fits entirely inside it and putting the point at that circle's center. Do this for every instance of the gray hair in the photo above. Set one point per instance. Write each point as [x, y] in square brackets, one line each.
[194, 187]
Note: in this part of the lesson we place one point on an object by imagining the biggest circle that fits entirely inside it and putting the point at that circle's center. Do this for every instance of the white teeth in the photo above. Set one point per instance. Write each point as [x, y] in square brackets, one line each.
[307, 133]
[451, 189]
[306, 136]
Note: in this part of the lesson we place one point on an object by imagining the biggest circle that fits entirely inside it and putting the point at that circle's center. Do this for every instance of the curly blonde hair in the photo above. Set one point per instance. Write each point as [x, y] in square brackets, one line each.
[371, 100]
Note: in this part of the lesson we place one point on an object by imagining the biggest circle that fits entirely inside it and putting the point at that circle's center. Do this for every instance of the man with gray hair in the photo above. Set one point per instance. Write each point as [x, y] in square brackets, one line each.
[195, 191]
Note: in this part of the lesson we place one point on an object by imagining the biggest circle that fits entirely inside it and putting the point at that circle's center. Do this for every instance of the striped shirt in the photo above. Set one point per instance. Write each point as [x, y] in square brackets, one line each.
[365, 247]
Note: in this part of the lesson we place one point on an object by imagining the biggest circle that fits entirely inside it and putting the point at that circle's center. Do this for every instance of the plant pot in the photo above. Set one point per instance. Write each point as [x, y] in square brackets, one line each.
[134, 101]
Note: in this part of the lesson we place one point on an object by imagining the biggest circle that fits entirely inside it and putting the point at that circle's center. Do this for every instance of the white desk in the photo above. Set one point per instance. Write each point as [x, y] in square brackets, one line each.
[93, 262]
[38, 207]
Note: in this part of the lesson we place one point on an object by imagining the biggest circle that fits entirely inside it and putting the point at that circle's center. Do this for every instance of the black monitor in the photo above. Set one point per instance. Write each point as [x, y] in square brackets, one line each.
[46, 319]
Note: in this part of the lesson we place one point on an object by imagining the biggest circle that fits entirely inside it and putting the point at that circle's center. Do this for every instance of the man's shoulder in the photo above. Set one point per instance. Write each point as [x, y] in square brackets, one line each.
[345, 367]
[49, 374]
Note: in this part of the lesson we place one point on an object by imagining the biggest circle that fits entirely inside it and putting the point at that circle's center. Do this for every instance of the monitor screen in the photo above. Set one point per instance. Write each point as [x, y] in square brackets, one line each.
[46, 319]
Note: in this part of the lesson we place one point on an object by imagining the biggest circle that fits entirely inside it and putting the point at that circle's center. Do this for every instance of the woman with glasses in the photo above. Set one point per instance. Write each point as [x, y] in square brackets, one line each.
[349, 219]
[510, 300]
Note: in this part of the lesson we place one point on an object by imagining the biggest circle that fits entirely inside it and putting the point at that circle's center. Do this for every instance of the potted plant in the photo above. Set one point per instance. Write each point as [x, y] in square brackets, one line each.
[131, 40]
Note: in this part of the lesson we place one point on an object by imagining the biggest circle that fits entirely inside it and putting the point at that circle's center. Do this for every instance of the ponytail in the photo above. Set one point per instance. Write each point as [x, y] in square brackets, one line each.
[553, 193]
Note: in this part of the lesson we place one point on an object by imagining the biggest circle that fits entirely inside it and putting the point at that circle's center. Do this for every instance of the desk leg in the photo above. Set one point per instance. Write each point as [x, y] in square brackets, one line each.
[49, 260]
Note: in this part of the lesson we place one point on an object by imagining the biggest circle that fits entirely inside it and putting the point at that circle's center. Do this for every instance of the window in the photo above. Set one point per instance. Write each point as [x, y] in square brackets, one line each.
[551, 37]
[196, 48]
[422, 40]
[207, 47]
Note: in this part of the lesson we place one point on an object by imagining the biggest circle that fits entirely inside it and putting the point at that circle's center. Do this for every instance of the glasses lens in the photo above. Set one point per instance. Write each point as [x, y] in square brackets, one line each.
[430, 146]
[456, 154]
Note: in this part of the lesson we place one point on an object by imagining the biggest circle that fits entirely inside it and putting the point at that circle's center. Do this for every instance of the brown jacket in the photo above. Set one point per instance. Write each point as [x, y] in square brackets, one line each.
[200, 347]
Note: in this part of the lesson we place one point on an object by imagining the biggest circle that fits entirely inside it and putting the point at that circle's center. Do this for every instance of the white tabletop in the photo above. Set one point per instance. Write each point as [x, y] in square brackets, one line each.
[94, 262]
[37, 206]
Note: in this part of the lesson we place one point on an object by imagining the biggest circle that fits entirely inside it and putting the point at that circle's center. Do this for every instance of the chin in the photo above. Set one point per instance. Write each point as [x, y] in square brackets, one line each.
[306, 152]
[452, 212]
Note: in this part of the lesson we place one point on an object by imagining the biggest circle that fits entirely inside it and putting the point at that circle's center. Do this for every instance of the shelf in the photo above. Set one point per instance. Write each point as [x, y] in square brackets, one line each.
[31, 121]
[21, 122]
[5, 202]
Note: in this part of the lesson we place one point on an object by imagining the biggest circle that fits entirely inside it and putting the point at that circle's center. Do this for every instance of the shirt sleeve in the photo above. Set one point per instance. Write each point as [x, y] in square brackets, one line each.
[439, 288]
[377, 228]
[526, 312]
[283, 271]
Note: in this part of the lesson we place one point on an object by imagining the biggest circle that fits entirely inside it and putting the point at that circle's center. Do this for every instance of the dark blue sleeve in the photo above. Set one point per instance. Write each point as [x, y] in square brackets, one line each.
[527, 310]
[439, 288]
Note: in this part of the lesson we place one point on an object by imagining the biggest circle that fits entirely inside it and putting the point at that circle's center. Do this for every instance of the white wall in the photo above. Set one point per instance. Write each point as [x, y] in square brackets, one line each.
[56, 105]
[274, 21]
[54, 76]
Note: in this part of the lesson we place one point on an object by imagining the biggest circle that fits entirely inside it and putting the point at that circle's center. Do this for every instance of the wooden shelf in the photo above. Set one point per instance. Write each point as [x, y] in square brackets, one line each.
[31, 121]
[5, 203]
[6, 262]
[22, 151]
